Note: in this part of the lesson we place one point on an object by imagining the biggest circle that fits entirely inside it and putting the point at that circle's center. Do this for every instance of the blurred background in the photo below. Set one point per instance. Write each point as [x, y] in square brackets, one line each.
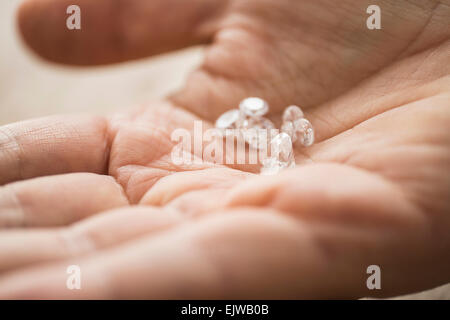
[30, 87]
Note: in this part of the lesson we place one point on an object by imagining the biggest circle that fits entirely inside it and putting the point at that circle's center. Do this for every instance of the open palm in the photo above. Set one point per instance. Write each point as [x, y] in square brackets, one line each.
[103, 193]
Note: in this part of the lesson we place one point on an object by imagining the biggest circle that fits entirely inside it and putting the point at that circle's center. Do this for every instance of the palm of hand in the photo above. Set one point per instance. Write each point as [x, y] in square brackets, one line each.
[371, 191]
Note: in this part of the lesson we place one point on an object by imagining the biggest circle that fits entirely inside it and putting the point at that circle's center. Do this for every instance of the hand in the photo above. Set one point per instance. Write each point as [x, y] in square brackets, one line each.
[373, 190]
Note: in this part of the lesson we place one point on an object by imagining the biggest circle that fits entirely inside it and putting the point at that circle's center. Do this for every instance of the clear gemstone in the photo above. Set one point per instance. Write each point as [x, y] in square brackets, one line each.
[272, 165]
[228, 120]
[288, 127]
[292, 113]
[246, 122]
[304, 132]
[265, 123]
[257, 131]
[281, 147]
[254, 107]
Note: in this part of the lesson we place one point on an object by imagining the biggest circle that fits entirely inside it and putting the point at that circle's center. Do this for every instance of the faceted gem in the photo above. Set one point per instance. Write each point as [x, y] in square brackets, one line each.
[254, 107]
[264, 123]
[288, 127]
[272, 165]
[281, 147]
[257, 131]
[304, 132]
[249, 123]
[292, 113]
[228, 120]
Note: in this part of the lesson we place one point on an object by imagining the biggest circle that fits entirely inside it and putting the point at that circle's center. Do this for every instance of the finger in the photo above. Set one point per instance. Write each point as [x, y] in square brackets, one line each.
[194, 192]
[174, 186]
[57, 200]
[329, 192]
[181, 265]
[20, 248]
[414, 158]
[53, 145]
[115, 31]
[239, 254]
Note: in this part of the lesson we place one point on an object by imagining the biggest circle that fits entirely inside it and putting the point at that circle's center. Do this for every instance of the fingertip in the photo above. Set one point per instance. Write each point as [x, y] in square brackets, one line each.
[25, 23]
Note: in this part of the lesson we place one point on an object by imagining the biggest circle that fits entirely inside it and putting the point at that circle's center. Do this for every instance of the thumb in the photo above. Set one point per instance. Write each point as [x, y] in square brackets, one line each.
[115, 31]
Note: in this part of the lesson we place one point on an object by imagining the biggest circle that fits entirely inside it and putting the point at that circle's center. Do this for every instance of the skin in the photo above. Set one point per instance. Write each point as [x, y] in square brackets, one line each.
[102, 193]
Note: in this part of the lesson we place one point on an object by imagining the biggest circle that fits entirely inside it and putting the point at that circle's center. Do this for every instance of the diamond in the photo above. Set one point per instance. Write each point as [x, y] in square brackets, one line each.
[288, 127]
[257, 131]
[272, 165]
[254, 107]
[228, 120]
[292, 113]
[281, 147]
[304, 132]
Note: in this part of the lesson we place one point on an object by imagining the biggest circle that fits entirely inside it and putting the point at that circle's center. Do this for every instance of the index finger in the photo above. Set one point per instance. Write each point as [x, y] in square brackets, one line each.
[53, 145]
[115, 31]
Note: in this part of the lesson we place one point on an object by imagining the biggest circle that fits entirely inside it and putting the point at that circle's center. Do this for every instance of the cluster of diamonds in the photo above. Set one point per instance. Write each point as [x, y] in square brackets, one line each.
[258, 132]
